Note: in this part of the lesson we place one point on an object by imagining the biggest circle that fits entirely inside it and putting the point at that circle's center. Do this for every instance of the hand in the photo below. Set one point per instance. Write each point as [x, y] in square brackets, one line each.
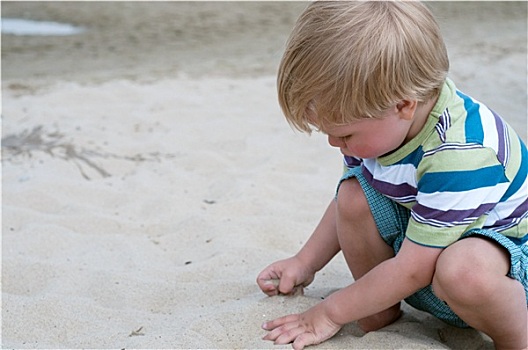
[285, 277]
[309, 328]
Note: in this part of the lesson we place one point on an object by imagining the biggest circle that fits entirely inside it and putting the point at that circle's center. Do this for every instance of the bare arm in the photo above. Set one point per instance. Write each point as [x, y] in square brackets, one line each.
[323, 244]
[385, 285]
[382, 287]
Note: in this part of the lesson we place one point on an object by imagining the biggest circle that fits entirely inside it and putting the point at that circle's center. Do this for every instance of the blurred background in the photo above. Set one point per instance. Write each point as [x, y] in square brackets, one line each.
[148, 41]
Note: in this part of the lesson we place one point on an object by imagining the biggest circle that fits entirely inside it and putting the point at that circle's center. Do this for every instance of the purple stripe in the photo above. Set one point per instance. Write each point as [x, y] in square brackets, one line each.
[388, 189]
[518, 213]
[443, 124]
[501, 152]
[452, 216]
[521, 210]
[351, 161]
[502, 225]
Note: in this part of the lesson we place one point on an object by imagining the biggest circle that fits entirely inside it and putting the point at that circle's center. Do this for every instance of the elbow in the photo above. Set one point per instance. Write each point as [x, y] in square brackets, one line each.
[418, 276]
[424, 275]
[417, 264]
[421, 279]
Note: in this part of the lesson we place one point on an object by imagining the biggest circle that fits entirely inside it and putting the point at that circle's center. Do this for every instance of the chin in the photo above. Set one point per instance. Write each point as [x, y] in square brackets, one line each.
[369, 155]
[348, 154]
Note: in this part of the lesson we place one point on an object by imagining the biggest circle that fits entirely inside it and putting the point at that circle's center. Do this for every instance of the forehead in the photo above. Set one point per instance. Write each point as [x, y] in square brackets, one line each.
[361, 124]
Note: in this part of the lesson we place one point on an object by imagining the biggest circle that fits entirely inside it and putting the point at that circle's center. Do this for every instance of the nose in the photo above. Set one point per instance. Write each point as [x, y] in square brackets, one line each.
[336, 141]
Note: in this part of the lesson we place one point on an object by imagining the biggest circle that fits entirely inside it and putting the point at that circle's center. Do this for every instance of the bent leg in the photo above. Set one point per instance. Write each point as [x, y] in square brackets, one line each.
[362, 245]
[471, 277]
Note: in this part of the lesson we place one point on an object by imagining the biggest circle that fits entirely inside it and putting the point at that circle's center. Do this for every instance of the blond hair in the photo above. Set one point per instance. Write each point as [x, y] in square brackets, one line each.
[347, 60]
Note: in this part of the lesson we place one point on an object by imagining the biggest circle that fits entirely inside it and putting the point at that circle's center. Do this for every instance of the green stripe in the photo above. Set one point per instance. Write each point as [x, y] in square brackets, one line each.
[458, 160]
[439, 236]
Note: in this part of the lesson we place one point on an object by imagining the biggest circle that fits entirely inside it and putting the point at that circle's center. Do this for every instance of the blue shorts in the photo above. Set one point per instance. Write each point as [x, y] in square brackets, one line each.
[392, 219]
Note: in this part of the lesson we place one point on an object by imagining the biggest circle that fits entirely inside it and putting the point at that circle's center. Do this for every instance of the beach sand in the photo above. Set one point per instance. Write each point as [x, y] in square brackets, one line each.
[149, 176]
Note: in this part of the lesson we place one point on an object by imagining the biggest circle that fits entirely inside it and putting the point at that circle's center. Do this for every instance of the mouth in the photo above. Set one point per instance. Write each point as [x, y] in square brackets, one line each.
[345, 152]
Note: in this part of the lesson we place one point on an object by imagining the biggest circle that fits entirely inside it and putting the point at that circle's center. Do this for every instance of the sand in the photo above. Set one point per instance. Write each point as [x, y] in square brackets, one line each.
[148, 175]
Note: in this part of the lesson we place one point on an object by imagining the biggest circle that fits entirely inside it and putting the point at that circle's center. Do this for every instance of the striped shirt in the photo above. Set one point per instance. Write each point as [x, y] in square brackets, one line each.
[466, 169]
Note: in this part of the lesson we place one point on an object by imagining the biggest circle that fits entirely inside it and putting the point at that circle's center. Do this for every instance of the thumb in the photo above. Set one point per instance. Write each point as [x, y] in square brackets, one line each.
[286, 285]
[269, 285]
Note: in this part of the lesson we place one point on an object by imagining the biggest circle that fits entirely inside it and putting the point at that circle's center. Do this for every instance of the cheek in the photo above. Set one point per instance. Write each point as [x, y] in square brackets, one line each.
[372, 147]
[363, 149]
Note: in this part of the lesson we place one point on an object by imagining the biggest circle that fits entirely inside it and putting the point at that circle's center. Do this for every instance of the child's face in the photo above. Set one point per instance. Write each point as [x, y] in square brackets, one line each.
[371, 138]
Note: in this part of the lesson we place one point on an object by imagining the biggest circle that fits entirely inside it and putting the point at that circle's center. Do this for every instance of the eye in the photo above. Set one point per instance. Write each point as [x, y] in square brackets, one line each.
[345, 138]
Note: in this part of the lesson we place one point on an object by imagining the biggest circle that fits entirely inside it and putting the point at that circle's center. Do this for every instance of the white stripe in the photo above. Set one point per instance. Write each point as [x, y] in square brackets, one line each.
[406, 199]
[491, 137]
[514, 223]
[462, 200]
[394, 174]
[505, 209]
[438, 223]
[507, 144]
[452, 146]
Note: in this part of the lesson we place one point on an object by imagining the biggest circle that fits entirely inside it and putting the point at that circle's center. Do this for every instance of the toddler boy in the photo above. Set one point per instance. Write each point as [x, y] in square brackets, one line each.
[432, 207]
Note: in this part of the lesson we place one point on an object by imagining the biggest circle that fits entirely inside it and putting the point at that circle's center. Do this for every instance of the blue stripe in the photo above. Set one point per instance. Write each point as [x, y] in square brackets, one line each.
[414, 158]
[520, 177]
[474, 131]
[459, 181]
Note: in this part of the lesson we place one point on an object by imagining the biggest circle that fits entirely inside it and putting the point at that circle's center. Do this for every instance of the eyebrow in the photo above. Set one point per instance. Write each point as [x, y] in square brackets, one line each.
[342, 135]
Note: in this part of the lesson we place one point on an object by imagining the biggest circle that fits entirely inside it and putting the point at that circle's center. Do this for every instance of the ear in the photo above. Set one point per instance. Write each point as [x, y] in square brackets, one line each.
[406, 109]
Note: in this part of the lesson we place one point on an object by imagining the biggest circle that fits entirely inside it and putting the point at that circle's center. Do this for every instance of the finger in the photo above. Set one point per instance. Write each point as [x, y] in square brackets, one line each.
[267, 274]
[268, 286]
[303, 340]
[271, 325]
[276, 333]
[290, 335]
[286, 285]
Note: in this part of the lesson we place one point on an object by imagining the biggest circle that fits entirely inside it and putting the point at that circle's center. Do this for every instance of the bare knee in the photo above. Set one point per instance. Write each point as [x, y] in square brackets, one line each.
[351, 201]
[463, 272]
[452, 279]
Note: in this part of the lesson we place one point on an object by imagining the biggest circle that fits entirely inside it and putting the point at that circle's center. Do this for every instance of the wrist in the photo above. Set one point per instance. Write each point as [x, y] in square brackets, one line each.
[306, 260]
[333, 311]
